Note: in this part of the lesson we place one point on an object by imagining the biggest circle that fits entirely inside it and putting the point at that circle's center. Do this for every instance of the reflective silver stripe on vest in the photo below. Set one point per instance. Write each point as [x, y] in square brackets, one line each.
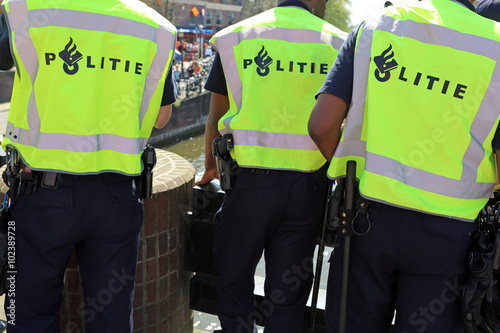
[39, 18]
[76, 143]
[18, 22]
[228, 58]
[424, 180]
[480, 128]
[22, 19]
[273, 140]
[165, 43]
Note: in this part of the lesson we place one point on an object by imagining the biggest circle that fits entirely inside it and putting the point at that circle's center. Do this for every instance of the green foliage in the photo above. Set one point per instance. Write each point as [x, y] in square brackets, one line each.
[254, 7]
[338, 14]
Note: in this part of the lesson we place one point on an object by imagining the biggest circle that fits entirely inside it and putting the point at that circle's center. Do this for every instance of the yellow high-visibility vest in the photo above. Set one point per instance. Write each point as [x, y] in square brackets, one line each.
[274, 64]
[89, 82]
[425, 109]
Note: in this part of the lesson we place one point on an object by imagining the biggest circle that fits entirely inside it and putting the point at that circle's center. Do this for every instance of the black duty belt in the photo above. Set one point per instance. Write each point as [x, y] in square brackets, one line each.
[30, 178]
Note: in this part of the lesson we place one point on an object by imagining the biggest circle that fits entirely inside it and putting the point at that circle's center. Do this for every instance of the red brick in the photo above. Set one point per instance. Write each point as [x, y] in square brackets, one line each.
[139, 274]
[172, 239]
[150, 217]
[73, 303]
[72, 280]
[151, 270]
[163, 211]
[164, 326]
[173, 284]
[172, 304]
[164, 283]
[164, 288]
[152, 292]
[150, 247]
[162, 243]
[174, 205]
[138, 319]
[152, 314]
[138, 297]
[173, 261]
[173, 322]
[163, 262]
[140, 256]
[164, 313]
[170, 326]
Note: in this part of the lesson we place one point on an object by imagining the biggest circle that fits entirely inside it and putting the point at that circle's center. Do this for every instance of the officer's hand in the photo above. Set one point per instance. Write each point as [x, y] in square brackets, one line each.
[208, 175]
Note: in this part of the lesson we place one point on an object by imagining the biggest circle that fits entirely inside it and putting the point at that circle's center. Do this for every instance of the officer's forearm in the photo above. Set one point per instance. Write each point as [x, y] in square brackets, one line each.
[210, 134]
[163, 116]
[325, 123]
[327, 147]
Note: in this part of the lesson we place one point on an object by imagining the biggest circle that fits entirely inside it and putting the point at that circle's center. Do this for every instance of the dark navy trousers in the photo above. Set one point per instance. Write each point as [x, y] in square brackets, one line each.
[279, 214]
[99, 217]
[410, 263]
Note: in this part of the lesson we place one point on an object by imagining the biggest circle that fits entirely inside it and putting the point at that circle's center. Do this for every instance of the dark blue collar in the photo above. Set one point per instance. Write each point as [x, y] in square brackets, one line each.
[295, 3]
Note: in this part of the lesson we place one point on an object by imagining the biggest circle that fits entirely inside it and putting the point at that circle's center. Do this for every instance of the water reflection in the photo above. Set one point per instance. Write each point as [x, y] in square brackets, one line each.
[192, 149]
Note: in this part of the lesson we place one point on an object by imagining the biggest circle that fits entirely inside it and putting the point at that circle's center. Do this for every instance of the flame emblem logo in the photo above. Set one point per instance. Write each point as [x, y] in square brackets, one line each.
[70, 56]
[262, 60]
[385, 63]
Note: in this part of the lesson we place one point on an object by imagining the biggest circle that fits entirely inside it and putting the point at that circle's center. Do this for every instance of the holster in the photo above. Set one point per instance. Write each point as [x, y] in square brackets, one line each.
[341, 218]
[227, 167]
[146, 180]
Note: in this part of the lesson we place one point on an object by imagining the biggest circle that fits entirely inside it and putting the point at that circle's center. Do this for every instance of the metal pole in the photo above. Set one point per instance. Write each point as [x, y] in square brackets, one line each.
[349, 205]
[319, 262]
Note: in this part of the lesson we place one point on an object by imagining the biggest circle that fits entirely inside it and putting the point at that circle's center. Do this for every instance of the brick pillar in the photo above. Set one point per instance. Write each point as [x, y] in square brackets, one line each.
[161, 302]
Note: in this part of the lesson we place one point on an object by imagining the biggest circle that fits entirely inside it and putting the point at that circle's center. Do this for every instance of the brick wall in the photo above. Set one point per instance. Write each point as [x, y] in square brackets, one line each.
[161, 302]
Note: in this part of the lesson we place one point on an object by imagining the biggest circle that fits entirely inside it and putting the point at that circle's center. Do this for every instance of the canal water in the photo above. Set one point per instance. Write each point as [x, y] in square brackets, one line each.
[193, 150]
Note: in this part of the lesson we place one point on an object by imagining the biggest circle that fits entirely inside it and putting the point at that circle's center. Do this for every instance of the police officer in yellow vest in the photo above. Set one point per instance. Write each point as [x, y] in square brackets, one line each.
[263, 83]
[92, 78]
[422, 113]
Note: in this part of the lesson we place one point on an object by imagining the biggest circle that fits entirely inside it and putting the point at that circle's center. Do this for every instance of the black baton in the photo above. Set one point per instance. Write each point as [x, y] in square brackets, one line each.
[345, 227]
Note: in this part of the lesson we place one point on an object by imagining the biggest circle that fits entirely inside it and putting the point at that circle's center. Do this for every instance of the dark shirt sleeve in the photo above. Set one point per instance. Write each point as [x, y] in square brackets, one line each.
[216, 81]
[6, 61]
[170, 92]
[340, 78]
[496, 140]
